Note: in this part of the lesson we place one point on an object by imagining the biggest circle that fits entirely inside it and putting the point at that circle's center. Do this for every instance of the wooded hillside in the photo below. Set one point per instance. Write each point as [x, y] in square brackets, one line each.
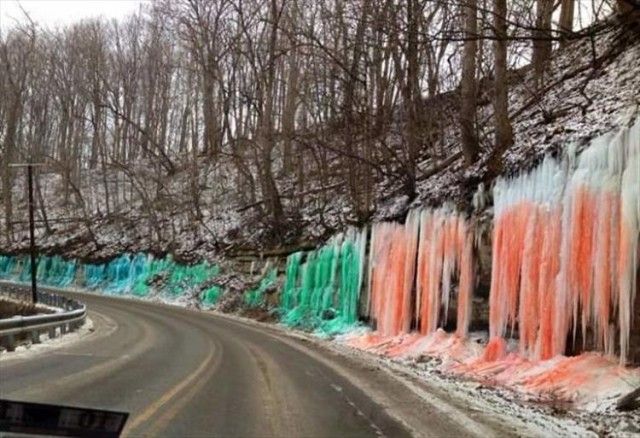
[205, 126]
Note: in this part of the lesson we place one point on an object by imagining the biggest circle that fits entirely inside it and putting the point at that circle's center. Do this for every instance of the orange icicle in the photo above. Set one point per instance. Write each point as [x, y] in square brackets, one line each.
[441, 243]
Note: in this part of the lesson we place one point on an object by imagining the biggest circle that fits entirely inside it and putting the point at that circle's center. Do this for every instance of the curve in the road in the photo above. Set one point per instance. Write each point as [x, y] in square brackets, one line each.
[183, 373]
[193, 374]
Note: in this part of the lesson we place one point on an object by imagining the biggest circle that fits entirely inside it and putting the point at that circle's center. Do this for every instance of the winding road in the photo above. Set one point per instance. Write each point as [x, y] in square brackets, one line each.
[183, 373]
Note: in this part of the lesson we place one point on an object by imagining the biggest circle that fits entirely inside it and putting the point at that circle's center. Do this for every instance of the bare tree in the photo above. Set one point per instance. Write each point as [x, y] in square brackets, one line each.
[503, 129]
[542, 38]
[271, 107]
[567, 15]
[468, 86]
[16, 54]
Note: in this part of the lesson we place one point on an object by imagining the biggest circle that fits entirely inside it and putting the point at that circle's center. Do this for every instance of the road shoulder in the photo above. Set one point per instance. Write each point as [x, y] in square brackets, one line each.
[423, 403]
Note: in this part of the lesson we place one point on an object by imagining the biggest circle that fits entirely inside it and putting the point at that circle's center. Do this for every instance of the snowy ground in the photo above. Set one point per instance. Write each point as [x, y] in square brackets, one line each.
[46, 344]
[561, 417]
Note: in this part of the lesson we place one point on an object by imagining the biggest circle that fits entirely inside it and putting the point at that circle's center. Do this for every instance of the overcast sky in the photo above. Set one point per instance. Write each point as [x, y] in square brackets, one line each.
[50, 13]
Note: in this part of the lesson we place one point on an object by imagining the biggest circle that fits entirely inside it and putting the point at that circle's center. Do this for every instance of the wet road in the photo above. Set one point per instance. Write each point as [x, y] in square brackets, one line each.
[187, 374]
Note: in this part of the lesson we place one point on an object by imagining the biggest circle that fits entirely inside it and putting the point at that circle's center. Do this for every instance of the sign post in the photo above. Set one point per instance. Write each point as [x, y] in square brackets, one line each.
[32, 239]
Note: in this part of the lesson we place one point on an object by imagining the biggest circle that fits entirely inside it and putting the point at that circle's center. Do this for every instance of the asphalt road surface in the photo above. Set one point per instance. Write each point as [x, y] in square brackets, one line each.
[182, 373]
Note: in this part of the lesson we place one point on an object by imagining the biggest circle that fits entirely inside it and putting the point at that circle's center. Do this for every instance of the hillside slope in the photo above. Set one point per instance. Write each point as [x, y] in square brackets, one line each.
[590, 89]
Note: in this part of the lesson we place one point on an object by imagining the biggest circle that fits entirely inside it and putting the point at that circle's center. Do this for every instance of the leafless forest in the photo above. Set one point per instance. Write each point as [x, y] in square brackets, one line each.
[266, 105]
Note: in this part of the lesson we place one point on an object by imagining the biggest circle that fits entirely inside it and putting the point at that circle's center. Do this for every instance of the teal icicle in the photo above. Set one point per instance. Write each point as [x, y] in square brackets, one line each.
[128, 273]
[185, 277]
[254, 298]
[323, 293]
[289, 296]
[153, 268]
[352, 256]
[7, 266]
[211, 295]
[94, 275]
[314, 296]
[24, 274]
[56, 271]
[117, 274]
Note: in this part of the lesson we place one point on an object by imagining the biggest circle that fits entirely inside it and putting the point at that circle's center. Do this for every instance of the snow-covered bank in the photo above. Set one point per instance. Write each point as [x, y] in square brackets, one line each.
[590, 89]
[10, 307]
[590, 381]
[27, 349]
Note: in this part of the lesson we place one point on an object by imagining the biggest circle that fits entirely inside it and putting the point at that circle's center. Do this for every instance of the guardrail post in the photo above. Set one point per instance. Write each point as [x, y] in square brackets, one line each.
[53, 332]
[8, 342]
[35, 337]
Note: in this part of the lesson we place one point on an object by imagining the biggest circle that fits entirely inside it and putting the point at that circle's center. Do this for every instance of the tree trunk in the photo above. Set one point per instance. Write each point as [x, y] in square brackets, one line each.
[13, 117]
[412, 99]
[265, 130]
[210, 116]
[503, 129]
[628, 6]
[289, 113]
[542, 43]
[469, 138]
[352, 167]
[567, 11]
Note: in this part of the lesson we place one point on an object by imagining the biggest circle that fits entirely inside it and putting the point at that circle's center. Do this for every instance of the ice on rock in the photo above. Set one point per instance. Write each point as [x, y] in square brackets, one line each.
[565, 249]
[126, 274]
[428, 251]
[322, 287]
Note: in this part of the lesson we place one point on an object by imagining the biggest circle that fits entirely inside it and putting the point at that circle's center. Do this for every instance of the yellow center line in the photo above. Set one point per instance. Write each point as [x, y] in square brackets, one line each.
[152, 409]
[179, 404]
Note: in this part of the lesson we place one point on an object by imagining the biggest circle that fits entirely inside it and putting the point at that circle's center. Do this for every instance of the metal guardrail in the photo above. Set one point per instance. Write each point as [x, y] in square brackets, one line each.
[71, 316]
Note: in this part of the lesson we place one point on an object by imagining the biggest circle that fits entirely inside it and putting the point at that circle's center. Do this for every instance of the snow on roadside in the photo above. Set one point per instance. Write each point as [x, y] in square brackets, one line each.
[440, 360]
[532, 416]
[47, 344]
[585, 381]
[470, 396]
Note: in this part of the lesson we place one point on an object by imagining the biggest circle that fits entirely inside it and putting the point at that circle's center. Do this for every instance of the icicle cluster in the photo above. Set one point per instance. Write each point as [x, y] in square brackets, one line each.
[392, 261]
[322, 287]
[352, 265]
[445, 252]
[129, 273]
[56, 271]
[525, 255]
[565, 248]
[441, 243]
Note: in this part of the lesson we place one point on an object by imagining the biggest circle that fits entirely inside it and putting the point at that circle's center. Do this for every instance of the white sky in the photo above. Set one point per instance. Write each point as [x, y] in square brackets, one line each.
[50, 13]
